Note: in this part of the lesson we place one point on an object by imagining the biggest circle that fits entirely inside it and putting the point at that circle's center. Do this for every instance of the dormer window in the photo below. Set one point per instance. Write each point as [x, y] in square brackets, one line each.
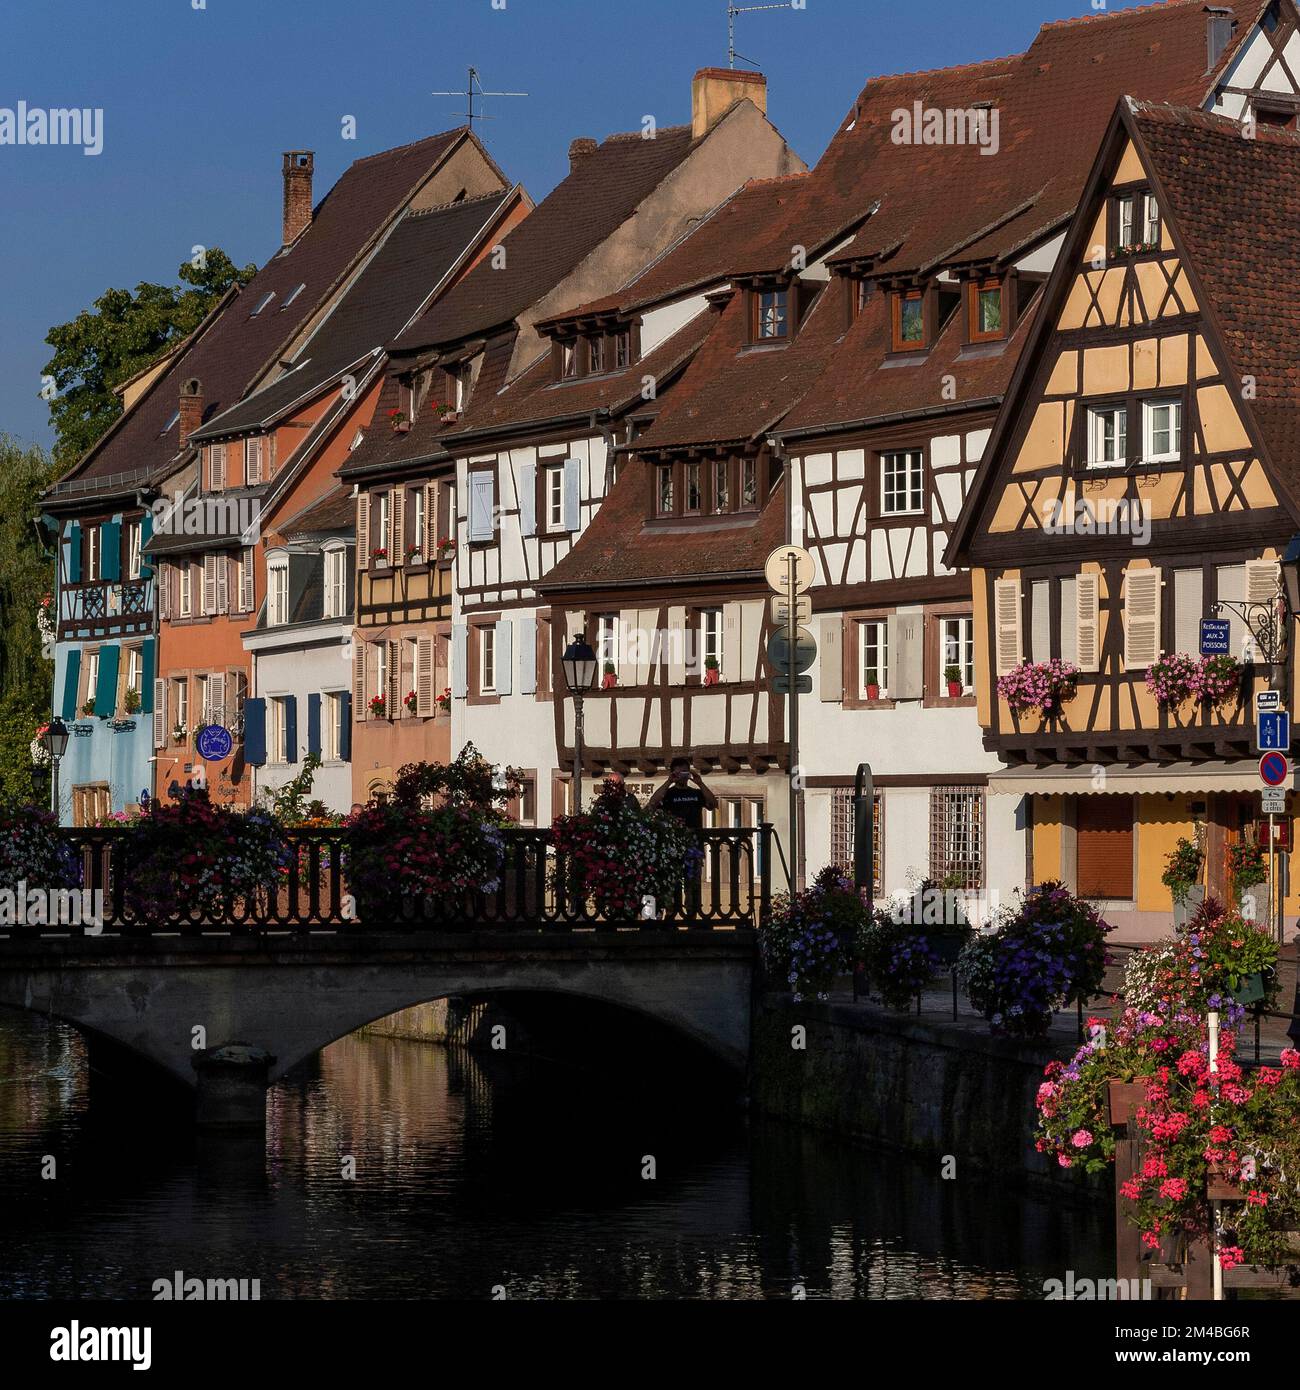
[622, 348]
[989, 304]
[909, 320]
[699, 489]
[569, 360]
[596, 354]
[1136, 222]
[664, 489]
[773, 315]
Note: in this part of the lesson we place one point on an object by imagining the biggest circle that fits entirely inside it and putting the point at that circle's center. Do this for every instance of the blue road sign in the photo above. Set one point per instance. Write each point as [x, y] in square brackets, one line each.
[1216, 637]
[1274, 732]
[214, 743]
[1274, 769]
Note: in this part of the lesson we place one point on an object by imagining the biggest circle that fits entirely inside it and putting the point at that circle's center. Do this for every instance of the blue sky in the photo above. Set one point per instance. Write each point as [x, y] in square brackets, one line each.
[199, 102]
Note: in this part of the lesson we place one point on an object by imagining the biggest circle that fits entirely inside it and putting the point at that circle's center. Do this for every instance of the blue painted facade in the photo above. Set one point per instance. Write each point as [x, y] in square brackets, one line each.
[106, 645]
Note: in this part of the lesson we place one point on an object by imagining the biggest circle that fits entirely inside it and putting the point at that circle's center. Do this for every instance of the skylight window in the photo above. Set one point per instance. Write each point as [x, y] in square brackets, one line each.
[262, 303]
[292, 296]
[175, 416]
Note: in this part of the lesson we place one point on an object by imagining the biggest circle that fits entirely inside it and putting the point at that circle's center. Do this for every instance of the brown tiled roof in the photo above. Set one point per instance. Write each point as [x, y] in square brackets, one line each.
[334, 511]
[1235, 204]
[235, 347]
[416, 255]
[580, 212]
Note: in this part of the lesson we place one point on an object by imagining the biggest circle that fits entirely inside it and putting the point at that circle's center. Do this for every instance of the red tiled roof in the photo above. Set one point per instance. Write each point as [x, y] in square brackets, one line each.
[334, 511]
[235, 347]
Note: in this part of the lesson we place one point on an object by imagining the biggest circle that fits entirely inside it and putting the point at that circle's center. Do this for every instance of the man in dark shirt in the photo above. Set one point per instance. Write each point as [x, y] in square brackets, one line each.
[679, 798]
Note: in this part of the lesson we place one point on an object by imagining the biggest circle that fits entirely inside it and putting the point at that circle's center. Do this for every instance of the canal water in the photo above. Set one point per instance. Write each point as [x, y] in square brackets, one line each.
[397, 1169]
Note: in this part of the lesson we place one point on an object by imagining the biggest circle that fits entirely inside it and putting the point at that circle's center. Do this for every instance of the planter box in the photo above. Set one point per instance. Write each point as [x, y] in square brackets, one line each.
[1184, 911]
[1125, 1097]
[1251, 990]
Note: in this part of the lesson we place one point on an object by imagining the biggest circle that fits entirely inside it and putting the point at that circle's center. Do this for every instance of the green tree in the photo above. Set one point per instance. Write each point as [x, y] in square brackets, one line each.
[26, 576]
[120, 335]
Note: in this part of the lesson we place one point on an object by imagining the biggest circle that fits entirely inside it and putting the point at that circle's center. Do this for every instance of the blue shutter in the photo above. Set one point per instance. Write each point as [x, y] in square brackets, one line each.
[146, 534]
[345, 727]
[459, 660]
[255, 732]
[110, 550]
[146, 676]
[527, 656]
[71, 679]
[291, 729]
[106, 688]
[505, 666]
[313, 723]
[482, 502]
[528, 499]
[74, 553]
[570, 494]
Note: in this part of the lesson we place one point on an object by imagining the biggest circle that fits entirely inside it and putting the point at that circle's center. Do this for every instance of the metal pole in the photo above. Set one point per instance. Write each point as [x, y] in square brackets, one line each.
[577, 752]
[54, 787]
[864, 833]
[1214, 1067]
[1274, 913]
[792, 675]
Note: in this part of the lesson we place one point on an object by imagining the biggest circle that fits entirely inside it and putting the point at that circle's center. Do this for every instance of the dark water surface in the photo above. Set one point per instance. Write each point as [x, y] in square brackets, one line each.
[473, 1172]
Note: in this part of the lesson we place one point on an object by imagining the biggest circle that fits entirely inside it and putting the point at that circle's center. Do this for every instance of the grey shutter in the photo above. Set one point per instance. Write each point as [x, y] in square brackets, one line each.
[571, 494]
[504, 660]
[527, 656]
[482, 503]
[1040, 620]
[246, 583]
[1189, 590]
[159, 713]
[459, 660]
[905, 656]
[528, 499]
[831, 658]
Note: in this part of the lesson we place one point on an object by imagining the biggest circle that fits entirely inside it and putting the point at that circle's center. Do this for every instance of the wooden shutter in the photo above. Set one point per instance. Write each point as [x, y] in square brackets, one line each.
[572, 494]
[905, 656]
[255, 731]
[246, 593]
[398, 514]
[217, 699]
[363, 533]
[216, 466]
[393, 695]
[528, 499]
[313, 724]
[159, 713]
[1141, 618]
[222, 568]
[482, 504]
[209, 584]
[831, 658]
[1087, 622]
[71, 684]
[359, 700]
[1261, 581]
[1006, 618]
[424, 691]
[1104, 846]
[527, 656]
[164, 582]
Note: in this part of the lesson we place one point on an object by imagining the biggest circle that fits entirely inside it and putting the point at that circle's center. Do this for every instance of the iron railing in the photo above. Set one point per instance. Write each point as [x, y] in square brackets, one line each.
[731, 889]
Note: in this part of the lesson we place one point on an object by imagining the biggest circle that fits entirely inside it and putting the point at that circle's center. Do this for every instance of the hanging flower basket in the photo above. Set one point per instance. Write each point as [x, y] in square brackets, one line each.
[1172, 679]
[1043, 686]
[1217, 680]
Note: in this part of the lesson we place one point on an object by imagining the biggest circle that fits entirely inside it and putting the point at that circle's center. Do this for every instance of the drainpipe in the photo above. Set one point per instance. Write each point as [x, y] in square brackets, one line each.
[796, 807]
[600, 421]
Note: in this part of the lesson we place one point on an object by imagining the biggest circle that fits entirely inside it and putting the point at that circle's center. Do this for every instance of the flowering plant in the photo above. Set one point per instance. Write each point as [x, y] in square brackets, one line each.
[444, 700]
[898, 958]
[1219, 950]
[1182, 868]
[379, 553]
[41, 756]
[199, 860]
[1171, 679]
[33, 852]
[1246, 866]
[410, 700]
[618, 855]
[1044, 686]
[446, 546]
[1217, 679]
[413, 550]
[89, 706]
[1039, 958]
[811, 938]
[377, 703]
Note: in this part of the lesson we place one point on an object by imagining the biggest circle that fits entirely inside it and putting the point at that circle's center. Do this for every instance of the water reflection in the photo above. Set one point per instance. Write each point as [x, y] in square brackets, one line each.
[473, 1173]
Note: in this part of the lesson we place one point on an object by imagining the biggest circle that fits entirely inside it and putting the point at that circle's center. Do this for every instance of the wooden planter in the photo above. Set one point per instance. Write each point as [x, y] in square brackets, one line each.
[1125, 1097]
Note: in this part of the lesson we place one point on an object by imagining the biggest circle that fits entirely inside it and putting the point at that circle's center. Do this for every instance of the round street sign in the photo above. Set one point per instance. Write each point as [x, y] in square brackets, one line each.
[214, 743]
[778, 567]
[778, 651]
[1273, 769]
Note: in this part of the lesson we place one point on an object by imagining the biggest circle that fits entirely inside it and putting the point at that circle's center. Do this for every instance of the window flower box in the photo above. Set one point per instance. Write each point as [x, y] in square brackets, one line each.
[446, 548]
[444, 701]
[410, 700]
[1044, 686]
[414, 555]
[379, 557]
[88, 708]
[377, 706]
[401, 424]
[1124, 1097]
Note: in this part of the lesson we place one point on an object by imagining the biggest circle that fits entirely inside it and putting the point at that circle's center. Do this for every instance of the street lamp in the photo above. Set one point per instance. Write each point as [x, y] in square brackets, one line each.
[579, 664]
[56, 743]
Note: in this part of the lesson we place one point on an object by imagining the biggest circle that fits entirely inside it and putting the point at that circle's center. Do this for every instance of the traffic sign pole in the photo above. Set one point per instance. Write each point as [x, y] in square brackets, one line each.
[792, 634]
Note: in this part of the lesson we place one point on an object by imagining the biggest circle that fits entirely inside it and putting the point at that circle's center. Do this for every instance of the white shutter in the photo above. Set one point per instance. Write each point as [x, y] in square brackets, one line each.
[528, 499]
[424, 694]
[1087, 622]
[217, 700]
[572, 494]
[482, 505]
[246, 583]
[505, 630]
[222, 569]
[1006, 618]
[676, 639]
[1040, 620]
[164, 584]
[730, 662]
[459, 660]
[159, 713]
[363, 531]
[1189, 606]
[360, 702]
[1141, 618]
[209, 584]
[831, 659]
[398, 513]
[1261, 581]
[527, 656]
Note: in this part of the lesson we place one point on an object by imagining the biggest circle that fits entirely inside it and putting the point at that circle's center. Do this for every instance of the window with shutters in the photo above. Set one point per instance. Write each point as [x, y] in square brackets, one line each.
[873, 665]
[957, 837]
[552, 509]
[236, 699]
[94, 558]
[277, 735]
[180, 705]
[711, 666]
[607, 644]
[957, 652]
[380, 548]
[417, 502]
[843, 835]
[487, 664]
[1141, 618]
[92, 803]
[902, 482]
[89, 683]
[379, 670]
[135, 670]
[1104, 847]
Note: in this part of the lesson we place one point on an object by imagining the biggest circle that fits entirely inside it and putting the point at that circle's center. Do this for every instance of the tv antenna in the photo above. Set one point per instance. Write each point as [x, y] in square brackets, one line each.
[474, 87]
[732, 12]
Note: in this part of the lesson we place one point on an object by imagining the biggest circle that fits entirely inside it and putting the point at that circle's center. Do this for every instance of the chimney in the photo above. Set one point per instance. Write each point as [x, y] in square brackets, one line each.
[579, 149]
[191, 416]
[298, 165]
[1218, 34]
[714, 91]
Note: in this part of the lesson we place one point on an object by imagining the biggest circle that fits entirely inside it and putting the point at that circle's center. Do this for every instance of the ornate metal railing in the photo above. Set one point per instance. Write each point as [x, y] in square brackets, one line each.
[730, 888]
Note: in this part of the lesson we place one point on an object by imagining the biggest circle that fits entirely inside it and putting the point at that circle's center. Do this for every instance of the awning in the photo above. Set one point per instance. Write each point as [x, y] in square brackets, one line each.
[1083, 779]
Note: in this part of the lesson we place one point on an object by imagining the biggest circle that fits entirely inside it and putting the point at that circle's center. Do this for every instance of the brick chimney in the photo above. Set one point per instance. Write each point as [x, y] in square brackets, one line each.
[714, 91]
[298, 165]
[579, 149]
[191, 416]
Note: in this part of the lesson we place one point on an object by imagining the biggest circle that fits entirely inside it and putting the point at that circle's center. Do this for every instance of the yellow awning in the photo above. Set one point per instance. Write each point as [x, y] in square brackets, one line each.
[1147, 779]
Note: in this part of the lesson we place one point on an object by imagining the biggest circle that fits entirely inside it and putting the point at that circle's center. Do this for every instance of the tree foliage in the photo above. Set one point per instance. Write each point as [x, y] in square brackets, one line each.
[122, 333]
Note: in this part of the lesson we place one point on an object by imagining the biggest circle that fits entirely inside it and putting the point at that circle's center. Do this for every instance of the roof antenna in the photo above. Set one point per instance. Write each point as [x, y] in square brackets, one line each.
[732, 11]
[473, 85]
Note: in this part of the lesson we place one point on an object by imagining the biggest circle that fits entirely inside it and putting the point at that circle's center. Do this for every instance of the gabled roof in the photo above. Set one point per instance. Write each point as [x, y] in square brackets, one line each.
[236, 347]
[591, 202]
[418, 253]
